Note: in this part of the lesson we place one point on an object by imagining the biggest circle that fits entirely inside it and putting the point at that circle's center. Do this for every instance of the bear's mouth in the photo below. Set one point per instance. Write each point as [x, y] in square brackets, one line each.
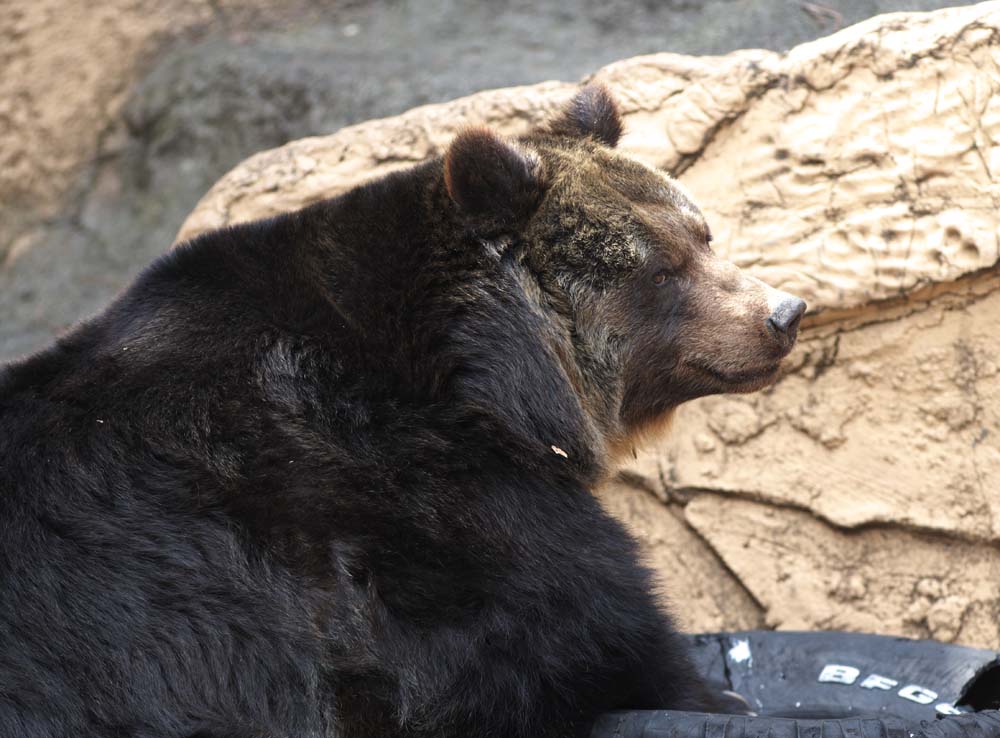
[747, 379]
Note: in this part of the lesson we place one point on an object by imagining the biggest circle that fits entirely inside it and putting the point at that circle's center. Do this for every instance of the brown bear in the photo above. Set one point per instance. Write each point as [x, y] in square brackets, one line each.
[330, 474]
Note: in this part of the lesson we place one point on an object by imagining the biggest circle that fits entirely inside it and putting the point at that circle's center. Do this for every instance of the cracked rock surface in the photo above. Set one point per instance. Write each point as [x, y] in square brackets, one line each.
[862, 491]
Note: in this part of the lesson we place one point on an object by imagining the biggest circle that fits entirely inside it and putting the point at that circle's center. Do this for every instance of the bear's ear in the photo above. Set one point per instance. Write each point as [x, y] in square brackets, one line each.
[496, 182]
[592, 112]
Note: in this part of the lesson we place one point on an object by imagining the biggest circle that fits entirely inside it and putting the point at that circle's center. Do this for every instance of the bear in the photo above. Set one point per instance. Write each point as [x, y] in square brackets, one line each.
[331, 473]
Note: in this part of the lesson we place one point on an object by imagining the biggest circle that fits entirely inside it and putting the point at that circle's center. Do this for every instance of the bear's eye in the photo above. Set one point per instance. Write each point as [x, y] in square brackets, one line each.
[659, 278]
[708, 237]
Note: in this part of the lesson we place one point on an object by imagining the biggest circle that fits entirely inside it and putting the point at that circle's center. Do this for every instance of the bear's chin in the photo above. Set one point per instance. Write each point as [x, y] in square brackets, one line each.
[738, 382]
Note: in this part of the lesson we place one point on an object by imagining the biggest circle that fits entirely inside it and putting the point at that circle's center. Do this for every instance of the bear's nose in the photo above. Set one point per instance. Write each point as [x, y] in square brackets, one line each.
[784, 321]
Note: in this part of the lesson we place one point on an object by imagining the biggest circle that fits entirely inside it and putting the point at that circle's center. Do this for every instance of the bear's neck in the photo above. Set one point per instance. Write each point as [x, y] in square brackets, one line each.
[440, 316]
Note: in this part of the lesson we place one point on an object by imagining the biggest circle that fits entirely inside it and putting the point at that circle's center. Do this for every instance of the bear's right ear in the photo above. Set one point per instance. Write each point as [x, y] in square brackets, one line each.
[496, 182]
[592, 113]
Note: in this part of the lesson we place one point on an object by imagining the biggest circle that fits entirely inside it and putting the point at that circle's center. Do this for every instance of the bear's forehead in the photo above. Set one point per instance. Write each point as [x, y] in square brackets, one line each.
[608, 212]
[647, 189]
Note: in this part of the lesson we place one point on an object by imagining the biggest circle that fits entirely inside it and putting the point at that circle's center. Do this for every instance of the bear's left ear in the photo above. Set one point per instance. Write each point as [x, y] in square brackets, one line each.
[592, 112]
[498, 183]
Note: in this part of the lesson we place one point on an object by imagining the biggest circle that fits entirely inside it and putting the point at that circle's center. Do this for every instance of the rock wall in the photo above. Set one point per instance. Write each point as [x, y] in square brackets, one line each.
[862, 491]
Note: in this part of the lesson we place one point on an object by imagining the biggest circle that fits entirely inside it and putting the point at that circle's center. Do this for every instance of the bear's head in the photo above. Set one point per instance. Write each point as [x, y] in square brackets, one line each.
[644, 315]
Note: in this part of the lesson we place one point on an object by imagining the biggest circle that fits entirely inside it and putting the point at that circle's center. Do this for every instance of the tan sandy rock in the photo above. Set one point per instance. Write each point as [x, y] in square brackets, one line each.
[894, 421]
[807, 574]
[863, 490]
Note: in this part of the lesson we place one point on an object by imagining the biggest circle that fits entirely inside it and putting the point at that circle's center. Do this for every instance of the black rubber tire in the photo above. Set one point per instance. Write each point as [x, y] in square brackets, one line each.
[832, 685]
[666, 724]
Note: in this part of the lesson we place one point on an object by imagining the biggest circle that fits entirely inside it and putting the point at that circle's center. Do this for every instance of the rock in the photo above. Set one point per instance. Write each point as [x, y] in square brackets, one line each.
[890, 421]
[808, 574]
[69, 68]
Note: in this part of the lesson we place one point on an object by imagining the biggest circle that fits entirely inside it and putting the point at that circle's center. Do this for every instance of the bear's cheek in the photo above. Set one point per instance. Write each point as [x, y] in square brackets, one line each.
[654, 376]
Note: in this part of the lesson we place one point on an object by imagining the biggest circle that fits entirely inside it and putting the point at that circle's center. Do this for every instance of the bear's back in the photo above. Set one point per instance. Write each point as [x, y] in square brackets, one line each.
[127, 600]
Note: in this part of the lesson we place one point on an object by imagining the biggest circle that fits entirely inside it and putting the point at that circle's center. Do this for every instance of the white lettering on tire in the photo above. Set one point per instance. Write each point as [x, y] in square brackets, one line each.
[874, 681]
[920, 695]
[839, 674]
[843, 674]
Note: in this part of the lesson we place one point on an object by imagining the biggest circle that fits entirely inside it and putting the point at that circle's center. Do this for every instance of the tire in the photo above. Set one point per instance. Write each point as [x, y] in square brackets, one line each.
[832, 685]
[664, 724]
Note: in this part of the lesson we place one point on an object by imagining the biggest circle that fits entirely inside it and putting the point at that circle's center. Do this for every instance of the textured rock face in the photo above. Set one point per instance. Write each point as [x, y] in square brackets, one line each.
[809, 575]
[863, 490]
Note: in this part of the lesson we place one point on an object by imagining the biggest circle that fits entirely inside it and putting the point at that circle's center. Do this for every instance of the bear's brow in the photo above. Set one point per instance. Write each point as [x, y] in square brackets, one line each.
[637, 183]
[672, 225]
[645, 187]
